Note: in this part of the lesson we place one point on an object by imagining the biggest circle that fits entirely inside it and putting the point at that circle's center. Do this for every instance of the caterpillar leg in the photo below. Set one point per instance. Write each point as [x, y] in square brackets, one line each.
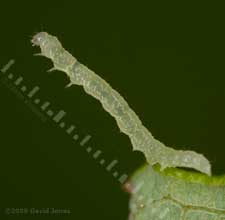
[52, 69]
[68, 85]
[38, 54]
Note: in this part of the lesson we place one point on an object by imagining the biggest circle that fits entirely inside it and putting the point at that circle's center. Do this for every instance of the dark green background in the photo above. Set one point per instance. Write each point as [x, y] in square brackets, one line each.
[165, 58]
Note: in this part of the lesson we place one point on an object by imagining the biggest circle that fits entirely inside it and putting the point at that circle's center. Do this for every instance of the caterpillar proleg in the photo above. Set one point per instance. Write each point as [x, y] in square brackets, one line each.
[128, 122]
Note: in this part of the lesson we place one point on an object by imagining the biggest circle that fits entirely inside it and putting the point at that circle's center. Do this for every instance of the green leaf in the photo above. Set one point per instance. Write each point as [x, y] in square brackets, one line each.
[174, 194]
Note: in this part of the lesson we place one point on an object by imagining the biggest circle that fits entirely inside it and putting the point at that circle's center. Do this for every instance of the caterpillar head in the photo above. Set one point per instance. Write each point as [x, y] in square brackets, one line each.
[48, 44]
[39, 38]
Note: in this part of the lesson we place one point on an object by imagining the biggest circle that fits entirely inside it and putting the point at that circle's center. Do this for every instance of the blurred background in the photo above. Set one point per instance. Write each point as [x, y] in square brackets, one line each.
[166, 58]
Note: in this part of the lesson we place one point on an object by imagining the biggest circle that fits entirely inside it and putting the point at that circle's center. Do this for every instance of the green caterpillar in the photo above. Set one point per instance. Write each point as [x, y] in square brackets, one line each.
[158, 192]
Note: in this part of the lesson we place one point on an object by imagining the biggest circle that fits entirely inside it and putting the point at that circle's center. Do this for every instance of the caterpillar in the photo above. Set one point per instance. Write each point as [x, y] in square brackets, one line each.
[127, 120]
